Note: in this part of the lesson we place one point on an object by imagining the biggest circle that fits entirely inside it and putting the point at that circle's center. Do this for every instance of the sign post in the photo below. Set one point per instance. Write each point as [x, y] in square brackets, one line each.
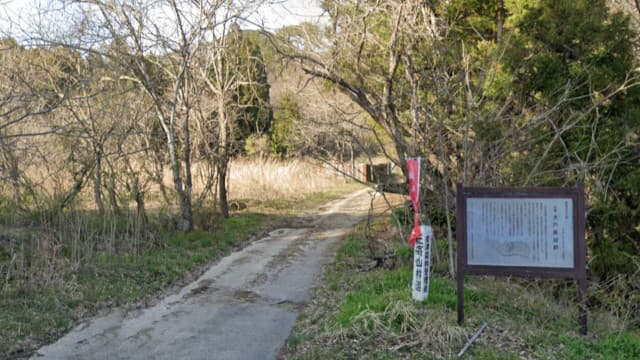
[421, 236]
[530, 232]
[422, 264]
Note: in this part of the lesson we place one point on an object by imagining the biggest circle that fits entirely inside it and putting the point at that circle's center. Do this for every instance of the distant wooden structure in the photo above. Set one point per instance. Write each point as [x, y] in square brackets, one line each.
[363, 172]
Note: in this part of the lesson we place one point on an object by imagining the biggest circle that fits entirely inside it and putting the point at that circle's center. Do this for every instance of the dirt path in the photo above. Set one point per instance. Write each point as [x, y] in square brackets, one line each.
[243, 307]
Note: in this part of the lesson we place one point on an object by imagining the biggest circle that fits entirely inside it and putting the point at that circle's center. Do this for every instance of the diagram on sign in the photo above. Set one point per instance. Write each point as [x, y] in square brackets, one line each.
[535, 232]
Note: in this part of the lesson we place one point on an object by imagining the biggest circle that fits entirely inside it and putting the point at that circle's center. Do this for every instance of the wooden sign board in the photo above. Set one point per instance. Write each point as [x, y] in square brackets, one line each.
[531, 232]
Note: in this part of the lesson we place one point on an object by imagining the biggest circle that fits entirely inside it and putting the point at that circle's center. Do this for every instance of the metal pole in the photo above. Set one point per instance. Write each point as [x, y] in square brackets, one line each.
[460, 218]
[460, 278]
[582, 284]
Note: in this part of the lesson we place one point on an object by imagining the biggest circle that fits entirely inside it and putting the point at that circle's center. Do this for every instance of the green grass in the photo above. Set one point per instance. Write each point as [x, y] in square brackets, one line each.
[612, 346]
[374, 294]
[370, 314]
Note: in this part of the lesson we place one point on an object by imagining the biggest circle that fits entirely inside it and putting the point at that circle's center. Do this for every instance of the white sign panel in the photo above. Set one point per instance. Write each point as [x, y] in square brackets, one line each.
[422, 263]
[535, 232]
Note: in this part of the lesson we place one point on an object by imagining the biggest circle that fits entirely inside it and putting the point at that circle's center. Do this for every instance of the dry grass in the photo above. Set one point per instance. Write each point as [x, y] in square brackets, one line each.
[260, 179]
[268, 179]
[33, 249]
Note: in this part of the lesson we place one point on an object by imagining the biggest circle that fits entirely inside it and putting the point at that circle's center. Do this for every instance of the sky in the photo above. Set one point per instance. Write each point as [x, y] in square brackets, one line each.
[276, 14]
[290, 12]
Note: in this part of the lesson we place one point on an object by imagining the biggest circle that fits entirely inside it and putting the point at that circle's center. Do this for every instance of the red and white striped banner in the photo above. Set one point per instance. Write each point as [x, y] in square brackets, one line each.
[413, 170]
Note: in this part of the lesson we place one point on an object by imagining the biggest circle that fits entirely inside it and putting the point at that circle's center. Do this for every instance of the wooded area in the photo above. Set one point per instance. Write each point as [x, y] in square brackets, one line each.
[136, 105]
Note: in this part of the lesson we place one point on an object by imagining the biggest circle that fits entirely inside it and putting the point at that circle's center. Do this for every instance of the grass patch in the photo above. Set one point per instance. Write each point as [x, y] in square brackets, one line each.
[370, 314]
[612, 346]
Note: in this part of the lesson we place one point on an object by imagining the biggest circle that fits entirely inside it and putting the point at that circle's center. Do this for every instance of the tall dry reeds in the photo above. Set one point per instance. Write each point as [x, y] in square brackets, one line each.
[268, 179]
[37, 255]
[37, 244]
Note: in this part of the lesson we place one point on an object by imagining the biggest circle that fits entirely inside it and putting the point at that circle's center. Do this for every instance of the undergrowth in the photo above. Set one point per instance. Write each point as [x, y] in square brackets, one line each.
[366, 312]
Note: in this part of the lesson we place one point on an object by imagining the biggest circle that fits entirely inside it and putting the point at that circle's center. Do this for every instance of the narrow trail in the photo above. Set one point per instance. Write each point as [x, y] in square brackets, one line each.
[243, 307]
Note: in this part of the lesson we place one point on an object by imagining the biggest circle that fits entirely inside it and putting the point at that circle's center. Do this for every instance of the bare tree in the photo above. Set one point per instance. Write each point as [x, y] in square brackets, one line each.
[378, 55]
[32, 87]
[155, 44]
[231, 79]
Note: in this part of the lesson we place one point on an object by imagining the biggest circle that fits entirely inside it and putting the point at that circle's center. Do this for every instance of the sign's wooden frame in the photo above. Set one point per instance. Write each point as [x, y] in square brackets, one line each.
[577, 272]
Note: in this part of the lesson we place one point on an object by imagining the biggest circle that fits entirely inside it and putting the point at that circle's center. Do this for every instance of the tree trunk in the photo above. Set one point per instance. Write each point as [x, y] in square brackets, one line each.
[500, 18]
[15, 182]
[138, 195]
[452, 271]
[353, 161]
[184, 201]
[401, 149]
[142, 213]
[79, 178]
[111, 190]
[97, 183]
[158, 176]
[188, 177]
[113, 195]
[445, 185]
[223, 158]
[14, 172]
[222, 187]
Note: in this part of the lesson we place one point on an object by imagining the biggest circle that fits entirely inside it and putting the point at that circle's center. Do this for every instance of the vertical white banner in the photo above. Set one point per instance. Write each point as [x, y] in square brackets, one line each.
[422, 263]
